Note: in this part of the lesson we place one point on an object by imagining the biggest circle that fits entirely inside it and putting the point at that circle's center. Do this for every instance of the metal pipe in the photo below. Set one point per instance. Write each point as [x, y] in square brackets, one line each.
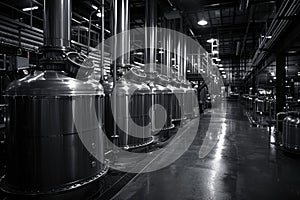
[169, 48]
[151, 36]
[120, 24]
[57, 23]
[102, 38]
[90, 31]
[184, 58]
[175, 43]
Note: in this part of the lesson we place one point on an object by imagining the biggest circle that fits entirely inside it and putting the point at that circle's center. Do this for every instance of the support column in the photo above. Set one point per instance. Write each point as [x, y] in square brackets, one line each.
[280, 83]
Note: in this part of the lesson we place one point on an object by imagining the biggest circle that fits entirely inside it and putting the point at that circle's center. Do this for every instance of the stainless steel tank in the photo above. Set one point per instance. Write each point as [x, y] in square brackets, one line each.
[177, 101]
[45, 152]
[132, 100]
[49, 155]
[291, 132]
[161, 95]
[260, 105]
[188, 99]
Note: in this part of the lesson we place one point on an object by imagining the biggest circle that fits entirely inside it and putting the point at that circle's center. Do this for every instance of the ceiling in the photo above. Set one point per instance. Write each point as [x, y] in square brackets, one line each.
[237, 24]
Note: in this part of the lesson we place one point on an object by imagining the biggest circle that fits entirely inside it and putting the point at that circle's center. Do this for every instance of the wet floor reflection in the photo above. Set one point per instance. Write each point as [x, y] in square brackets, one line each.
[240, 165]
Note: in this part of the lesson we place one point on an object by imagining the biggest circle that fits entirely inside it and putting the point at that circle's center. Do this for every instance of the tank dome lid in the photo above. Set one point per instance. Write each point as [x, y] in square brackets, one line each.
[52, 83]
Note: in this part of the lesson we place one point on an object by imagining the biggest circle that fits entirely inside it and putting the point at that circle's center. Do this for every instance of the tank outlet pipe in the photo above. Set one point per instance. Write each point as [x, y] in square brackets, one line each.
[57, 23]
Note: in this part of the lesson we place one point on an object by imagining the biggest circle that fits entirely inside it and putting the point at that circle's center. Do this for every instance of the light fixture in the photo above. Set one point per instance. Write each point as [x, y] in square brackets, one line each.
[86, 19]
[220, 65]
[292, 52]
[139, 53]
[221, 69]
[268, 37]
[161, 52]
[78, 22]
[210, 40]
[108, 31]
[215, 52]
[202, 22]
[139, 64]
[218, 59]
[95, 7]
[193, 34]
[30, 8]
[99, 14]
[298, 73]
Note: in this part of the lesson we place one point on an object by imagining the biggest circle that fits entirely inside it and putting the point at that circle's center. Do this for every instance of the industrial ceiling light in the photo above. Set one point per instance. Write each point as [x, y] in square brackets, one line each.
[30, 8]
[268, 37]
[221, 69]
[292, 52]
[210, 40]
[220, 65]
[218, 60]
[99, 14]
[139, 53]
[95, 7]
[78, 22]
[215, 52]
[202, 22]
[86, 19]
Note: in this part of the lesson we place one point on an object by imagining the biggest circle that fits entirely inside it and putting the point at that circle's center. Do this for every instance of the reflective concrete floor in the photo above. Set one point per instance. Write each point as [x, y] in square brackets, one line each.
[241, 165]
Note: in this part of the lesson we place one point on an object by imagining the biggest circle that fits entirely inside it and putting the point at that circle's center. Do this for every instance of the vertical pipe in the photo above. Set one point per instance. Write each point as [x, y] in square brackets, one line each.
[89, 33]
[151, 36]
[57, 23]
[102, 37]
[182, 49]
[280, 83]
[5, 62]
[120, 24]
[184, 58]
[175, 43]
[169, 47]
[31, 14]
